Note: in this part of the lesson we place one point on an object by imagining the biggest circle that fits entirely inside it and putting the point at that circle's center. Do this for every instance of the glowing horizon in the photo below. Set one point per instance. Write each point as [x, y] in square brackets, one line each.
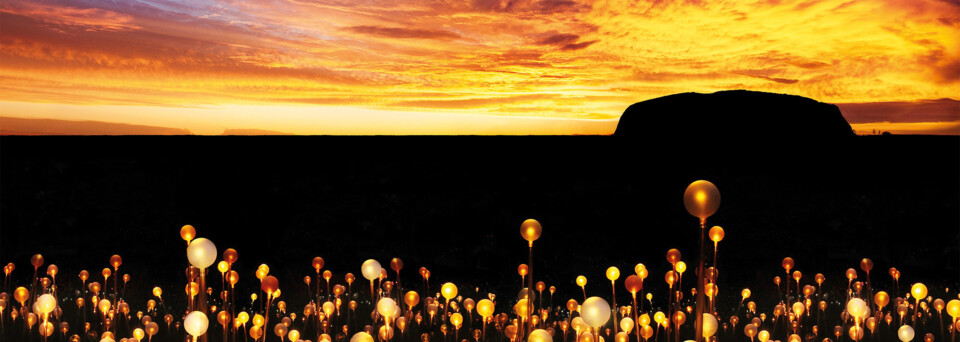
[468, 67]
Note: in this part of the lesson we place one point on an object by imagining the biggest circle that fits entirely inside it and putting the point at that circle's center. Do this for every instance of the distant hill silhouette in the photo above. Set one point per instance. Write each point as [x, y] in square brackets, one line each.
[252, 131]
[22, 126]
[736, 116]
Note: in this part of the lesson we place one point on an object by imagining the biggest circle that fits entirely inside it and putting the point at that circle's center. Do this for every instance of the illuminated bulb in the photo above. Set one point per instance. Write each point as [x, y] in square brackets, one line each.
[540, 335]
[201, 253]
[716, 234]
[371, 270]
[595, 312]
[449, 290]
[187, 233]
[530, 230]
[701, 199]
[613, 273]
[195, 323]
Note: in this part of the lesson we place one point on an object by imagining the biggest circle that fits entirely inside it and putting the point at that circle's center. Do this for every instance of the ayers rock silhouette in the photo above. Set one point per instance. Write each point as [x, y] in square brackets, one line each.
[736, 116]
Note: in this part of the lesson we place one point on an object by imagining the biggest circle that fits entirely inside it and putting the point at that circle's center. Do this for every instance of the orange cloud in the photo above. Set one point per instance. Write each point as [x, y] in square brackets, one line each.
[90, 19]
[941, 110]
[396, 32]
[560, 59]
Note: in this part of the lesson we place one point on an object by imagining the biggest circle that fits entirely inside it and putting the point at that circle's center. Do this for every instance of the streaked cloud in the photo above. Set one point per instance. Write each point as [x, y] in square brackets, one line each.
[397, 32]
[90, 19]
[940, 110]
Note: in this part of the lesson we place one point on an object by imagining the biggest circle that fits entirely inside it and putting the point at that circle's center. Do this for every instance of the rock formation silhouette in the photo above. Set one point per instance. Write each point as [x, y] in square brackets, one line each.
[737, 116]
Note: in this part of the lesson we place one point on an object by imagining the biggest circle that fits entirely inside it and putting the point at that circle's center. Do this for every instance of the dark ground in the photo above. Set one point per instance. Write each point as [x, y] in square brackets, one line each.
[455, 204]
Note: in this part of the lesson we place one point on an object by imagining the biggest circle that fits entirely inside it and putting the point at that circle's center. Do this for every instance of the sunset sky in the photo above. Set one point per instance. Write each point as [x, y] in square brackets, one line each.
[469, 67]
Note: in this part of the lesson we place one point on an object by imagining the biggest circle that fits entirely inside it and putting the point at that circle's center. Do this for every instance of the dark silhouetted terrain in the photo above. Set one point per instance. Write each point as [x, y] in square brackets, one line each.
[21, 126]
[455, 204]
[738, 116]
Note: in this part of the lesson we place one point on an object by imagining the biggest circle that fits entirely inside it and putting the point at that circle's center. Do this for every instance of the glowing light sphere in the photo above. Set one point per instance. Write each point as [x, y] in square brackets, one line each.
[643, 319]
[710, 289]
[918, 291]
[701, 198]
[808, 290]
[627, 324]
[787, 263]
[21, 294]
[196, 323]
[586, 336]
[396, 264]
[293, 335]
[540, 335]
[329, 307]
[681, 266]
[152, 328]
[104, 305]
[116, 261]
[953, 308]
[522, 308]
[673, 256]
[581, 281]
[646, 331]
[905, 333]
[939, 305]
[613, 273]
[750, 330]
[633, 284]
[857, 308]
[46, 329]
[851, 274]
[595, 312]
[201, 253]
[671, 277]
[641, 271]
[530, 230]
[709, 325]
[411, 298]
[745, 293]
[448, 290]
[716, 234]
[46, 303]
[269, 284]
[456, 319]
[36, 260]
[679, 318]
[387, 307]
[763, 335]
[230, 256]
[187, 233]
[256, 332]
[361, 337]
[371, 270]
[866, 265]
